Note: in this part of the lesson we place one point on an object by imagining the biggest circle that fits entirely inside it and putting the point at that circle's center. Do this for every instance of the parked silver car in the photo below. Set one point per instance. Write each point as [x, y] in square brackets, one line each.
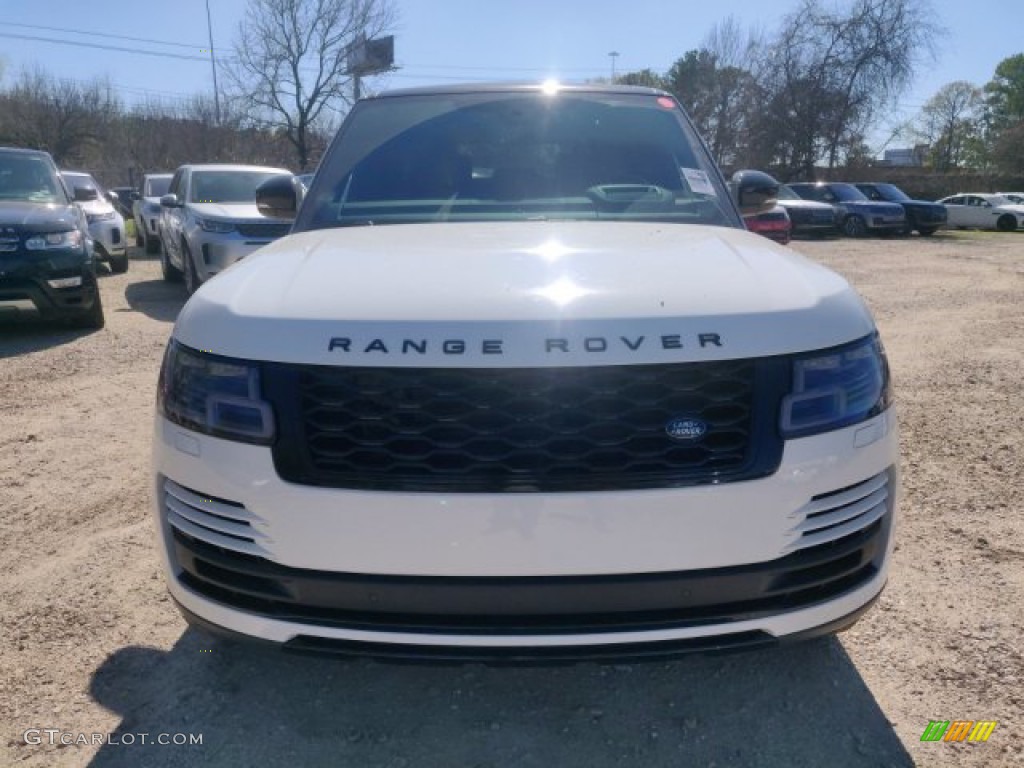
[146, 210]
[209, 220]
[106, 225]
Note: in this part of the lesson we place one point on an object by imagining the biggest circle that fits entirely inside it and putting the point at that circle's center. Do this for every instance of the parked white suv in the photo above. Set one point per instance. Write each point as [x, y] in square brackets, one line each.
[146, 210]
[106, 225]
[208, 220]
[520, 384]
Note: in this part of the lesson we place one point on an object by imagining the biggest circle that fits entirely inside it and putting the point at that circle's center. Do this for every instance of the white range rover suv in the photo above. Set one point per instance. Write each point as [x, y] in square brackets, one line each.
[519, 384]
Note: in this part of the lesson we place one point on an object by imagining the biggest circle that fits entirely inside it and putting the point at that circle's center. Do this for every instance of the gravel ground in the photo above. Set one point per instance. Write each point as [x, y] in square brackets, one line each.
[89, 642]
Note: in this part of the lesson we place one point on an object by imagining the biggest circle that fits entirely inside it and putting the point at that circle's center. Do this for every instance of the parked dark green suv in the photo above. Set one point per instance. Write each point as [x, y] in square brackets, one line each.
[46, 259]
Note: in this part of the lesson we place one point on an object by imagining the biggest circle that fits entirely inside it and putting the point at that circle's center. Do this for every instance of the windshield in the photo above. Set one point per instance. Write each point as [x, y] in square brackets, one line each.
[76, 179]
[515, 156]
[28, 178]
[157, 186]
[847, 192]
[998, 200]
[785, 193]
[892, 192]
[227, 186]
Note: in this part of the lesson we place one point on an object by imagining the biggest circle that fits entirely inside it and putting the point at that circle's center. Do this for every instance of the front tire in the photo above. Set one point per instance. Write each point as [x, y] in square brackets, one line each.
[119, 264]
[855, 226]
[192, 281]
[170, 272]
[93, 319]
[1006, 223]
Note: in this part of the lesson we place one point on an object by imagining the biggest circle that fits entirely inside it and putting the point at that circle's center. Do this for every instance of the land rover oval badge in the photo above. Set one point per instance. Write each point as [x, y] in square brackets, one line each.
[685, 429]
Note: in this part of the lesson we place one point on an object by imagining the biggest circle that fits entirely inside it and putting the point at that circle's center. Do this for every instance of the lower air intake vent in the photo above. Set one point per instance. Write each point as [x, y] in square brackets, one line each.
[216, 521]
[830, 516]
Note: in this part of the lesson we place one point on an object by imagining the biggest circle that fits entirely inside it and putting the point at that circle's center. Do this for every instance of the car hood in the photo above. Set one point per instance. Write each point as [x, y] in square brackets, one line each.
[922, 203]
[1014, 208]
[37, 217]
[227, 210]
[97, 206]
[813, 205]
[606, 293]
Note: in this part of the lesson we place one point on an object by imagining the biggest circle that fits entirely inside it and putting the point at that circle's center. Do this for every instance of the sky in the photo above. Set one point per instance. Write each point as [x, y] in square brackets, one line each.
[439, 41]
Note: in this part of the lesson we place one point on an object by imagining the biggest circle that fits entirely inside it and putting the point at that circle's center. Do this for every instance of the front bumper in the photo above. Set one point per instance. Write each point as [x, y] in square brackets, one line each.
[26, 291]
[877, 223]
[108, 236]
[527, 574]
[216, 252]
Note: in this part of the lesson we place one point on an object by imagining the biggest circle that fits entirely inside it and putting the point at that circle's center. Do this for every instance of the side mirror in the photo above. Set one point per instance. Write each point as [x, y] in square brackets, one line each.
[279, 197]
[85, 194]
[170, 201]
[756, 192]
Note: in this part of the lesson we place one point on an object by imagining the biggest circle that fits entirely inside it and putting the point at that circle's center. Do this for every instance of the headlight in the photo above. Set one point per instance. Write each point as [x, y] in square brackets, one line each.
[54, 240]
[837, 388]
[92, 218]
[212, 225]
[216, 395]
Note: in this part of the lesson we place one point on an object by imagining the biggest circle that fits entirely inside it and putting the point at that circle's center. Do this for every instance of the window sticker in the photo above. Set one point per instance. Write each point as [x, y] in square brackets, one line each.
[699, 181]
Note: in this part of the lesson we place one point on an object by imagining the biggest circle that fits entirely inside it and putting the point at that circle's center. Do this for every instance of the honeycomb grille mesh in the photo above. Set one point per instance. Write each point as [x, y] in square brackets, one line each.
[537, 429]
[264, 229]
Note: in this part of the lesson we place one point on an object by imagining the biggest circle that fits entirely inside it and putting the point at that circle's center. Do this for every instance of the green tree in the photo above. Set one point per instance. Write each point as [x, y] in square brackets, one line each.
[1005, 92]
[1005, 115]
[950, 123]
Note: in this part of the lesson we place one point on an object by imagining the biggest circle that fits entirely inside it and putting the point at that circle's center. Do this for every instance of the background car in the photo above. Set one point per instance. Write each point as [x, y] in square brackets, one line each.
[983, 211]
[809, 217]
[47, 266]
[106, 225]
[209, 220]
[859, 216]
[922, 215]
[146, 210]
[773, 224]
[122, 198]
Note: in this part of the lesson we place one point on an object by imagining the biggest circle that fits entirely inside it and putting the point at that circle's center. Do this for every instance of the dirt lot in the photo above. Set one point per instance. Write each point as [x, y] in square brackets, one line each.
[89, 642]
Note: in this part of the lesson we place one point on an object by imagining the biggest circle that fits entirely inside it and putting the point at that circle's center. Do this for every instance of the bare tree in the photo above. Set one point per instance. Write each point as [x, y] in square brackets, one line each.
[64, 117]
[291, 57]
[832, 69]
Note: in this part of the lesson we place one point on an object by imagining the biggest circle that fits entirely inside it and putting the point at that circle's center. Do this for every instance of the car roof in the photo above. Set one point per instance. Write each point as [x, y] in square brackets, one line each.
[231, 167]
[157, 175]
[517, 87]
[24, 151]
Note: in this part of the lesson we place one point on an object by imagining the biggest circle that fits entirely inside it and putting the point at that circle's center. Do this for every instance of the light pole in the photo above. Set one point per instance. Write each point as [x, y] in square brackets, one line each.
[213, 66]
[613, 56]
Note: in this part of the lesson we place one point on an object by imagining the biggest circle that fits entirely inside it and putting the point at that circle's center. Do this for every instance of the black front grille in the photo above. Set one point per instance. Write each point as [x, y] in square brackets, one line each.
[532, 605]
[525, 429]
[264, 229]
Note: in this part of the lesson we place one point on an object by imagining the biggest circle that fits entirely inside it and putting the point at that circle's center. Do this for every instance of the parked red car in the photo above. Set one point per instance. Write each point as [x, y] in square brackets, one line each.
[774, 224]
